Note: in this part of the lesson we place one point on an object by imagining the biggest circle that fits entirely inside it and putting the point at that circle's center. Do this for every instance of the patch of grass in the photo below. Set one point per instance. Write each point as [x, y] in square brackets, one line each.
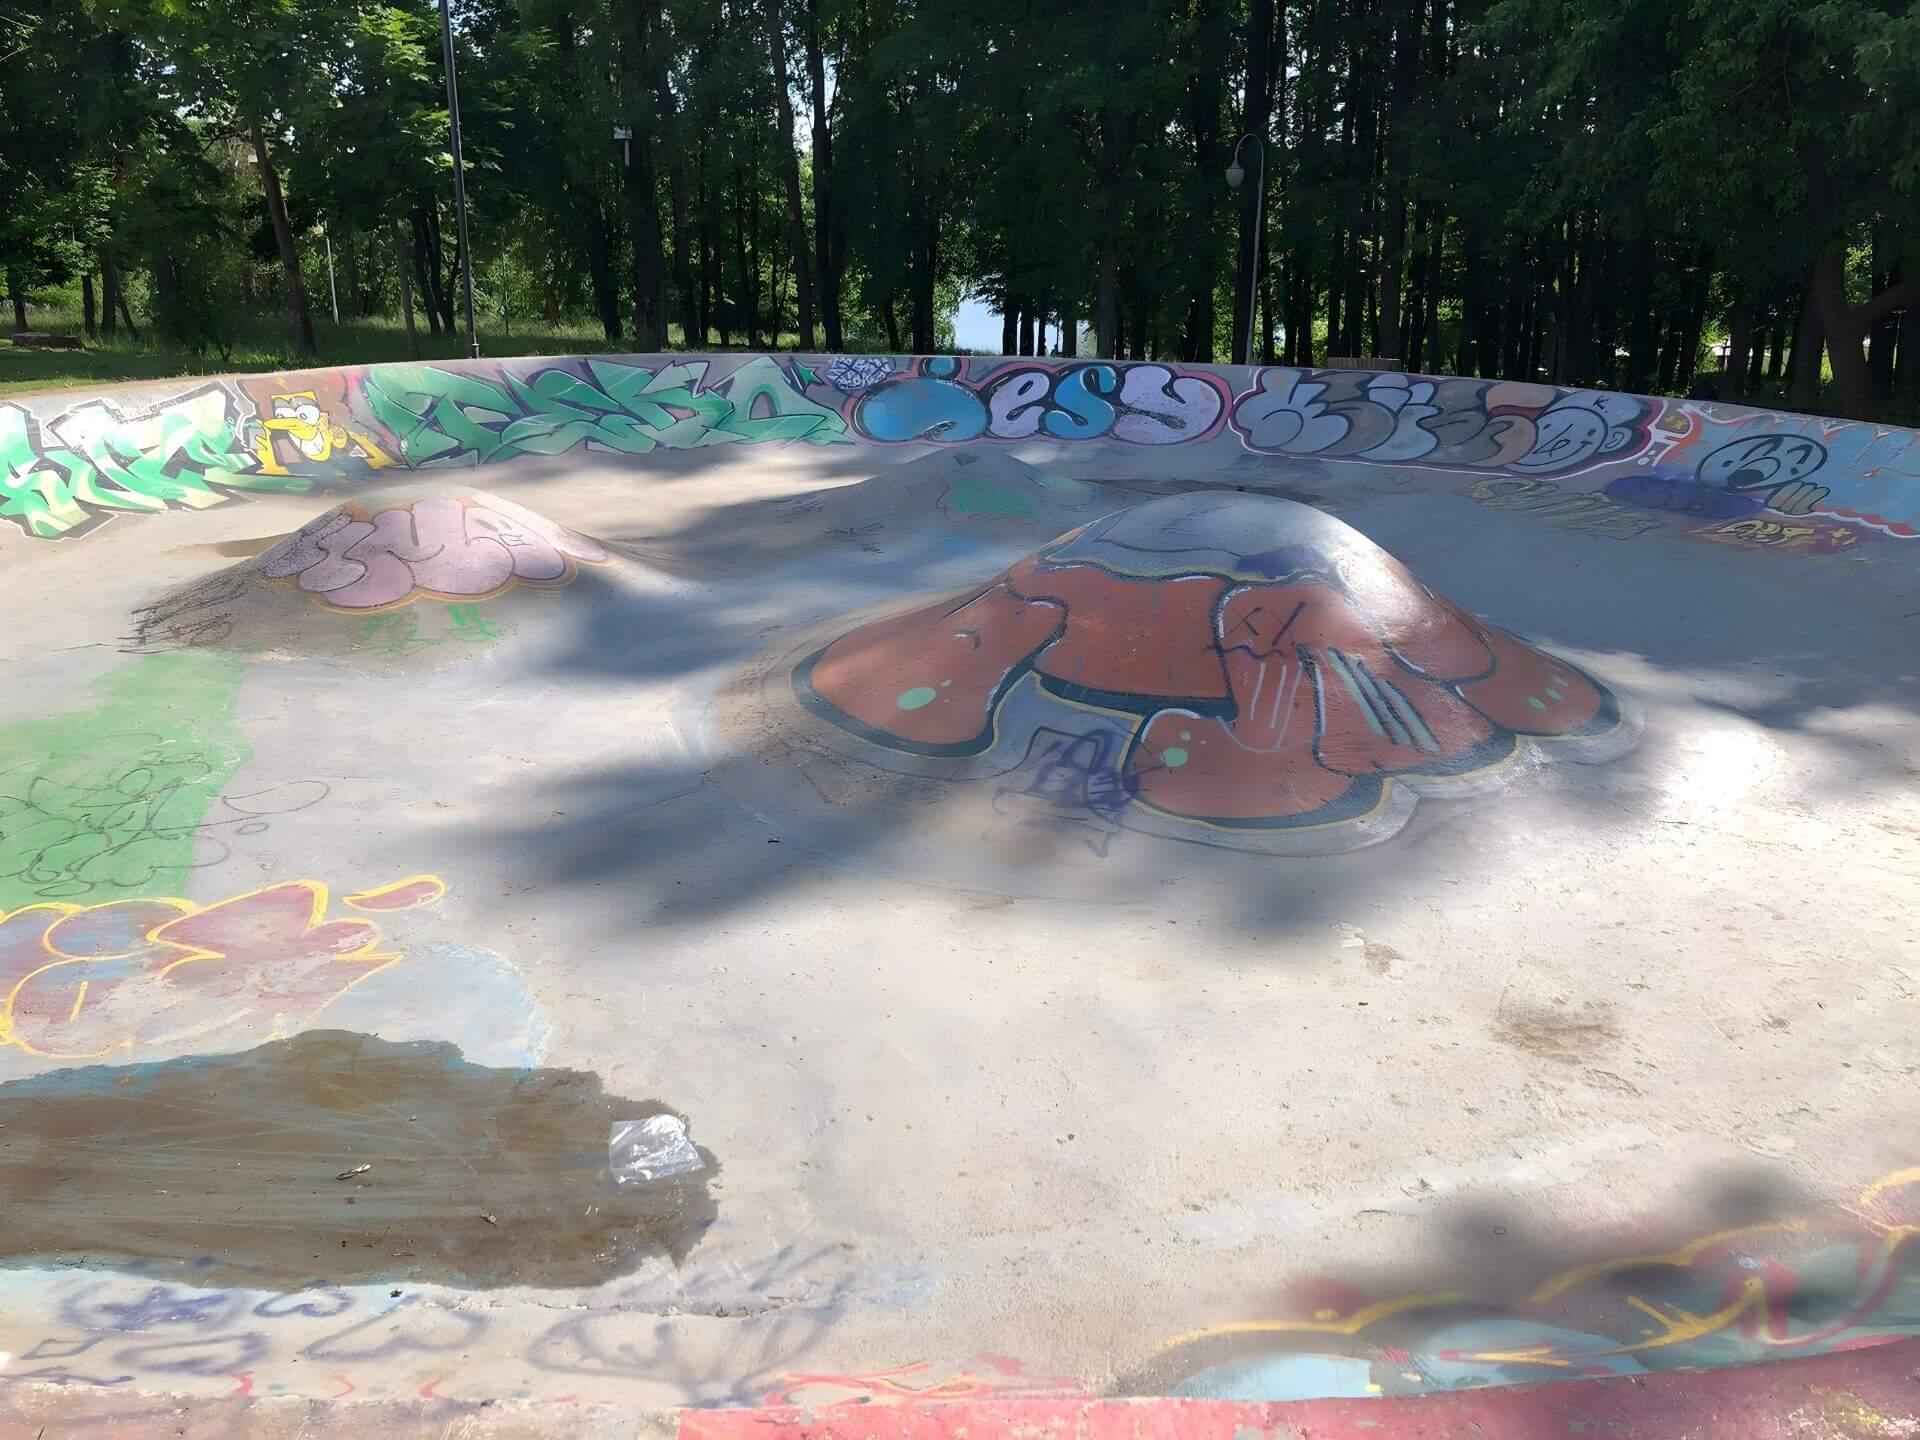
[266, 346]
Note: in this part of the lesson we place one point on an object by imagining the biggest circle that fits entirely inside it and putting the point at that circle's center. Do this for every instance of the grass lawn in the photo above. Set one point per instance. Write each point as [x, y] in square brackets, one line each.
[266, 346]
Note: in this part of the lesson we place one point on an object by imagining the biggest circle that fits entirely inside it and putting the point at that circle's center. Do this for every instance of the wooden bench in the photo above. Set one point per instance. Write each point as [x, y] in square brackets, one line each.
[34, 340]
[1362, 362]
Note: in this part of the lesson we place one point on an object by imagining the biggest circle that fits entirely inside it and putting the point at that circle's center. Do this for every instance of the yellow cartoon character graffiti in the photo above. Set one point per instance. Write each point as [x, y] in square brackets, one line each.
[297, 429]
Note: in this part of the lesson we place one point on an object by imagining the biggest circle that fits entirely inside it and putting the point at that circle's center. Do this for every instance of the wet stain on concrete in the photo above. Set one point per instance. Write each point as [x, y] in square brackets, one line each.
[1565, 1033]
[334, 1157]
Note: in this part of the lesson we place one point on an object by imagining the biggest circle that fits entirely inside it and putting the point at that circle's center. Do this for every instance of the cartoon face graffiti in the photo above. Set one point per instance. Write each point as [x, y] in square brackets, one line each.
[1773, 467]
[1581, 427]
[299, 418]
[302, 427]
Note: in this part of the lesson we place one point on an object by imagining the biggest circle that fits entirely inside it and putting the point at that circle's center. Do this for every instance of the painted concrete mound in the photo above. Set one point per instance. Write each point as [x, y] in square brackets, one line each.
[1230, 668]
[369, 559]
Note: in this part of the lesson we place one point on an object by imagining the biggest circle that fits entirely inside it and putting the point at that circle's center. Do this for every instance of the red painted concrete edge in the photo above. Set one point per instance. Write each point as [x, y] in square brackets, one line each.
[1865, 1394]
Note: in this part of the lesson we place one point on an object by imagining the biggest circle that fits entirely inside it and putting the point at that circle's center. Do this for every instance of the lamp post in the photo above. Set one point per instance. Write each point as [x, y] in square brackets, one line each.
[459, 175]
[1236, 174]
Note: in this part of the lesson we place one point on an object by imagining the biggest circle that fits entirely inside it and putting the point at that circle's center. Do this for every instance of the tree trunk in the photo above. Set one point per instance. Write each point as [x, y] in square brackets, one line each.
[1906, 370]
[891, 319]
[1406, 58]
[86, 302]
[1884, 333]
[926, 270]
[749, 270]
[606, 291]
[1847, 325]
[16, 292]
[1739, 337]
[1257, 121]
[445, 281]
[1336, 294]
[1809, 347]
[642, 184]
[1642, 324]
[669, 112]
[1696, 322]
[1106, 305]
[1026, 332]
[406, 288]
[1070, 332]
[424, 273]
[283, 236]
[1777, 348]
[825, 265]
[1199, 251]
[350, 265]
[790, 171]
[709, 271]
[1436, 277]
[109, 297]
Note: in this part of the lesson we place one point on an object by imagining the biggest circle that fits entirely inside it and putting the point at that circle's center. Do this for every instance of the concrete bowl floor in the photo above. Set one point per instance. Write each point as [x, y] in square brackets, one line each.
[338, 936]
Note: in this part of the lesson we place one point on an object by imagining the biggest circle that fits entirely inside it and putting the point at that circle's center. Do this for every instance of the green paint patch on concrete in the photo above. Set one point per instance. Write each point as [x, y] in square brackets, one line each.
[917, 697]
[105, 803]
[988, 499]
[1173, 757]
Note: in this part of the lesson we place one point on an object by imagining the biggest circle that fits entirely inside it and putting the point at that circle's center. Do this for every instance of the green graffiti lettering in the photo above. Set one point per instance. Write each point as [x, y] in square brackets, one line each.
[440, 416]
[69, 475]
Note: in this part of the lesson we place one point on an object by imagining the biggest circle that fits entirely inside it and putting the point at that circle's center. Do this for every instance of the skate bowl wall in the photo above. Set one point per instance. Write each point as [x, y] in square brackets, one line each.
[1589, 461]
[751, 885]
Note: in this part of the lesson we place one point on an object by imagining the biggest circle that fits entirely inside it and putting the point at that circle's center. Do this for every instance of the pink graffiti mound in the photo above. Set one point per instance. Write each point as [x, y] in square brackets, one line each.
[469, 546]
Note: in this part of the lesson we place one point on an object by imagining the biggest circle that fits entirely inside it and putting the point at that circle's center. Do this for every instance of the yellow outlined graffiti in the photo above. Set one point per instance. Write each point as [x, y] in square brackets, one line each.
[314, 434]
[1731, 1294]
[89, 981]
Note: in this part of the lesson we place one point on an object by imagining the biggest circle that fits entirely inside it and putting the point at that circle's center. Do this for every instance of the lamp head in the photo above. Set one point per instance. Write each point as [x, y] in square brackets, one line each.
[1235, 174]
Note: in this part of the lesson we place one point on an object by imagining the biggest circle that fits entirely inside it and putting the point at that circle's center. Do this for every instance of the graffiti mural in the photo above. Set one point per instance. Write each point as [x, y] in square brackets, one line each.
[1390, 418]
[65, 470]
[467, 547]
[307, 426]
[1800, 465]
[438, 415]
[85, 982]
[65, 474]
[128, 793]
[75, 471]
[1579, 511]
[1760, 1292]
[1230, 668]
[1139, 404]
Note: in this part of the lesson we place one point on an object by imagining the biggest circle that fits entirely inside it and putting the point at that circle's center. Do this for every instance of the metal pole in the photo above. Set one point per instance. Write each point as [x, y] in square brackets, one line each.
[459, 174]
[333, 291]
[1259, 214]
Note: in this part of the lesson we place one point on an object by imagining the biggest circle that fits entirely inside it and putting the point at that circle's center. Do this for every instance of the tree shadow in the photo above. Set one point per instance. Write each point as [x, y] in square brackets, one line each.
[1745, 1268]
[1751, 641]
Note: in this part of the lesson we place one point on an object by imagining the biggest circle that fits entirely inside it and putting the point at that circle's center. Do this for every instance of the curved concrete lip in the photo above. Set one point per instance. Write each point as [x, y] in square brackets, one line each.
[446, 960]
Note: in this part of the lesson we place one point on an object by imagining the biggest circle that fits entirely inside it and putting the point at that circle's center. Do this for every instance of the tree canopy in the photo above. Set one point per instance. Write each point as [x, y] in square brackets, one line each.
[1709, 196]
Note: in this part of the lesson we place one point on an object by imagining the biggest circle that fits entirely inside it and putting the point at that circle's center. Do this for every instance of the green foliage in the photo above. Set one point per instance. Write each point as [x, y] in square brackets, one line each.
[1584, 191]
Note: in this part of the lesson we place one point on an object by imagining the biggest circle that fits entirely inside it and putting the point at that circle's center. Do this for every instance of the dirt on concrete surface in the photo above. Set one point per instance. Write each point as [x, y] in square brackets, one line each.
[331, 1158]
[1260, 884]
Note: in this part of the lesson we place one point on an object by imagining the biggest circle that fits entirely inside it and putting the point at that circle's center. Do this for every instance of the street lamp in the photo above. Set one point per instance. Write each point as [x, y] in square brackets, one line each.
[1235, 174]
[459, 175]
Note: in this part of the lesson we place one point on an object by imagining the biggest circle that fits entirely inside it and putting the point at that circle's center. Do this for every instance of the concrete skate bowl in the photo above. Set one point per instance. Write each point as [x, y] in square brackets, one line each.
[1012, 894]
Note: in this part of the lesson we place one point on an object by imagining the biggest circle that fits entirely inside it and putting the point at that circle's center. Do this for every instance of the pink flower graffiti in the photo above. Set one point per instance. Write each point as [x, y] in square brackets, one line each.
[464, 547]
